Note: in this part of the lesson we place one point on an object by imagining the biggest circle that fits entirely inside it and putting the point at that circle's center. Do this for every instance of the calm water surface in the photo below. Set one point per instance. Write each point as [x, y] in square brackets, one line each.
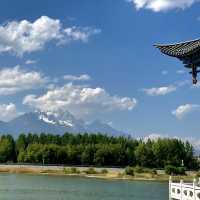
[31, 187]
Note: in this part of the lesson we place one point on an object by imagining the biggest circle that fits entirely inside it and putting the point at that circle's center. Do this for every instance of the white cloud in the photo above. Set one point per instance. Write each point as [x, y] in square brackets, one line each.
[80, 101]
[30, 62]
[196, 85]
[183, 110]
[13, 80]
[83, 34]
[154, 137]
[183, 83]
[83, 77]
[160, 91]
[195, 143]
[162, 5]
[180, 71]
[21, 37]
[8, 112]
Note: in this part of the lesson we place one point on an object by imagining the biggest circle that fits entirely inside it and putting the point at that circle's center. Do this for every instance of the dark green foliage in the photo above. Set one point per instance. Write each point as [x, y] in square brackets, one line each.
[197, 175]
[129, 171]
[139, 169]
[172, 170]
[181, 170]
[96, 150]
[72, 170]
[7, 149]
[88, 155]
[104, 171]
[144, 154]
[151, 171]
[21, 143]
[91, 170]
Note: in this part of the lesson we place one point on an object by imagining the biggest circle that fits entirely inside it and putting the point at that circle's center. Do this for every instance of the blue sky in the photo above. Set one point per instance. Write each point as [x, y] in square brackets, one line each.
[97, 60]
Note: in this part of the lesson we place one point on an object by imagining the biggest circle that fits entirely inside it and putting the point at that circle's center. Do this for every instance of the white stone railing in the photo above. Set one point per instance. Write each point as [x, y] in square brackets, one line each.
[184, 191]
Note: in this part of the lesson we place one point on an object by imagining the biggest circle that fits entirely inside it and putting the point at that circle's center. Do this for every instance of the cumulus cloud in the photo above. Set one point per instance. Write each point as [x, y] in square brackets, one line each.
[83, 34]
[183, 110]
[160, 91]
[30, 62]
[21, 37]
[13, 80]
[8, 112]
[79, 100]
[83, 77]
[162, 5]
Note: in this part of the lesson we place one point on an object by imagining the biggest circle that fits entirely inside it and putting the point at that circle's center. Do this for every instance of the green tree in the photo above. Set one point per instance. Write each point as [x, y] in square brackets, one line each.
[7, 150]
[21, 143]
[144, 154]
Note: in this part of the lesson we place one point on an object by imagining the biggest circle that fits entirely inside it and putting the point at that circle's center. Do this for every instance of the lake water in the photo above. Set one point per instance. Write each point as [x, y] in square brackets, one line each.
[32, 187]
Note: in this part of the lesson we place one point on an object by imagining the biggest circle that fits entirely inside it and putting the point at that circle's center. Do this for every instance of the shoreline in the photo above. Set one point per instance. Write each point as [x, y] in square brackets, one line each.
[87, 172]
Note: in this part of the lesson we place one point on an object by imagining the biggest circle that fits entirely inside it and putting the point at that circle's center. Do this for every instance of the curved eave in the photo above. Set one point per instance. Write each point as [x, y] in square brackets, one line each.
[180, 50]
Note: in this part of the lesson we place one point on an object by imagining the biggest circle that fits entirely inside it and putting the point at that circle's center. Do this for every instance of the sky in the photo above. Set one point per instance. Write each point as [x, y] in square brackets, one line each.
[96, 60]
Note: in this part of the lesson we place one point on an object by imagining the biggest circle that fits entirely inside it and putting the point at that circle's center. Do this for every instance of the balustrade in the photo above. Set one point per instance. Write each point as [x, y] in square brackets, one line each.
[184, 191]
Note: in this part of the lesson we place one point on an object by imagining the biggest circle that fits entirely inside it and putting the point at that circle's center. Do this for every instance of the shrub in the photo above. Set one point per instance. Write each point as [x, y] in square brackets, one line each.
[197, 175]
[66, 171]
[104, 171]
[72, 170]
[139, 169]
[120, 175]
[172, 170]
[129, 171]
[154, 171]
[150, 171]
[91, 171]
[181, 170]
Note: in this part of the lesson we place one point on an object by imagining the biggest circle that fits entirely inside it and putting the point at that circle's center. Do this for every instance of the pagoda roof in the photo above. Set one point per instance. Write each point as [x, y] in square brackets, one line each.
[180, 50]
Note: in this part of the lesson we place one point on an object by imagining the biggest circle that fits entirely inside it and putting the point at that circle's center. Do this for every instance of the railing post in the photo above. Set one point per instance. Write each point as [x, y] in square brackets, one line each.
[181, 184]
[170, 182]
[194, 188]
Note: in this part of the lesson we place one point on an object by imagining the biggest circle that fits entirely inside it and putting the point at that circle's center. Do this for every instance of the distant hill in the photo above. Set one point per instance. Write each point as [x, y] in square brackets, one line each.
[99, 127]
[46, 122]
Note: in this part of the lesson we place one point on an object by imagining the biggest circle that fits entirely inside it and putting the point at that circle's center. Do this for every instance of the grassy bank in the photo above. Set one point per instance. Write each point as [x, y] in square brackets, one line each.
[104, 173]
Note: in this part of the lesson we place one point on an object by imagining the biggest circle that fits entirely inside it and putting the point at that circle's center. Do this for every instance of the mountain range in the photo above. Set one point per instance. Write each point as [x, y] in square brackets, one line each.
[47, 122]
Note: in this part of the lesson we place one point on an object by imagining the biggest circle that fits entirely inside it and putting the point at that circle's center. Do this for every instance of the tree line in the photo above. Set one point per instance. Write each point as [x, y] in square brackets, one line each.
[96, 150]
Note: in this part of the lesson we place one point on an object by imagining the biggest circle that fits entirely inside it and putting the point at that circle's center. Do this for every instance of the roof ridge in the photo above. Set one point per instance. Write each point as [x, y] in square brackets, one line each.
[179, 43]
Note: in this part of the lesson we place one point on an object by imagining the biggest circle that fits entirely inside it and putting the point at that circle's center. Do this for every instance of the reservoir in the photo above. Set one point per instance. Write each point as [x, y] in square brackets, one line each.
[42, 187]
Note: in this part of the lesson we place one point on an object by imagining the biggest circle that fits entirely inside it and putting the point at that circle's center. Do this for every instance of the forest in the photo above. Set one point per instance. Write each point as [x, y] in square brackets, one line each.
[96, 150]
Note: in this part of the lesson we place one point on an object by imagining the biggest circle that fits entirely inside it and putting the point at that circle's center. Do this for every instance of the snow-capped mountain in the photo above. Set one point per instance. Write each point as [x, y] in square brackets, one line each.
[64, 119]
[47, 122]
